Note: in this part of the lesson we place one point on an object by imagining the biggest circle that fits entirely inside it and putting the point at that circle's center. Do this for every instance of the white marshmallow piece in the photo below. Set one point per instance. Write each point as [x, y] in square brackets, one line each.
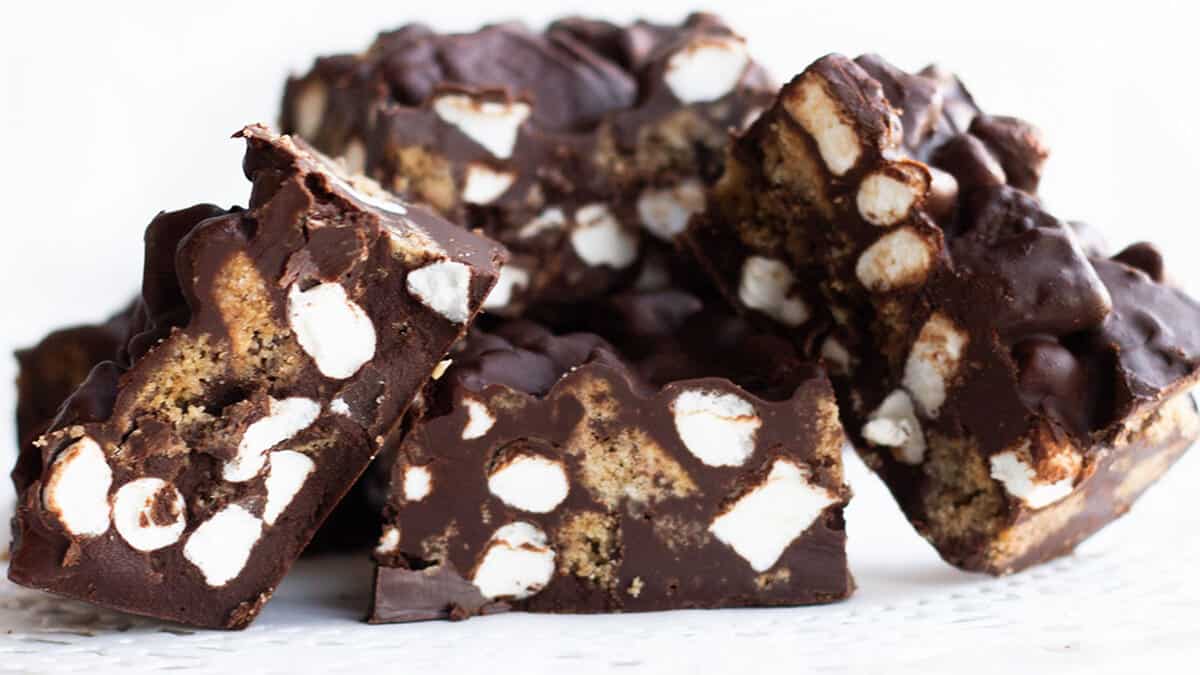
[933, 361]
[761, 525]
[484, 185]
[492, 124]
[897, 259]
[332, 329]
[310, 108]
[220, 547]
[599, 239]
[518, 563]
[706, 69]
[389, 541]
[444, 287]
[134, 507]
[512, 280]
[1020, 480]
[836, 356]
[766, 286]
[548, 220]
[338, 406]
[718, 428]
[76, 491]
[284, 420]
[821, 116]
[479, 419]
[418, 483]
[354, 157]
[531, 483]
[885, 200]
[894, 425]
[666, 212]
[289, 471]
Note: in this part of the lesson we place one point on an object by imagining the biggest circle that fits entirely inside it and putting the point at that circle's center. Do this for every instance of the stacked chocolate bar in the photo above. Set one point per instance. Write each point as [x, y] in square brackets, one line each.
[671, 254]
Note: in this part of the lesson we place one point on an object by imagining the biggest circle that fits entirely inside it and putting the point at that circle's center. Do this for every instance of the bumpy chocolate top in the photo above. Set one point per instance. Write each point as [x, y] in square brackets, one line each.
[579, 147]
[524, 356]
[1088, 337]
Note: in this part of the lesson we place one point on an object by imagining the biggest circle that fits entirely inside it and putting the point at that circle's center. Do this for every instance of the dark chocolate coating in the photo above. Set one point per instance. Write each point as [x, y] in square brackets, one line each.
[631, 532]
[218, 348]
[53, 368]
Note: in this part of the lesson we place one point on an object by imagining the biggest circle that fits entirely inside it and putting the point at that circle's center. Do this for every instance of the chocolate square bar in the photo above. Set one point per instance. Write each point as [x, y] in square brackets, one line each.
[580, 148]
[275, 349]
[1014, 387]
[543, 473]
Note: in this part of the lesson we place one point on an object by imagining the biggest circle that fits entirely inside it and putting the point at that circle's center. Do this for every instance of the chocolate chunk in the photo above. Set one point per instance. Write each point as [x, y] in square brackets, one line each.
[601, 492]
[970, 162]
[1039, 278]
[1018, 145]
[1145, 257]
[1015, 390]
[183, 483]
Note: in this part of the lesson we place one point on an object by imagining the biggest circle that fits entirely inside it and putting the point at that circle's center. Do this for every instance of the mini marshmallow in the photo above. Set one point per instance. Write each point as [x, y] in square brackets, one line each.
[512, 279]
[309, 108]
[484, 185]
[135, 506]
[766, 286]
[332, 329]
[765, 521]
[552, 218]
[531, 483]
[821, 116]
[834, 354]
[706, 69]
[418, 483]
[718, 428]
[897, 259]
[76, 491]
[933, 361]
[599, 239]
[289, 471]
[665, 212]
[338, 406]
[1020, 480]
[518, 563]
[354, 156]
[389, 541]
[220, 547]
[284, 420]
[479, 419]
[885, 200]
[492, 124]
[444, 287]
[894, 424]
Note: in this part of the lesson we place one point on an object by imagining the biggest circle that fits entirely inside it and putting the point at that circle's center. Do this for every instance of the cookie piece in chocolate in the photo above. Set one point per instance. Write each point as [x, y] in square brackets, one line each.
[580, 148]
[278, 348]
[1015, 389]
[545, 475]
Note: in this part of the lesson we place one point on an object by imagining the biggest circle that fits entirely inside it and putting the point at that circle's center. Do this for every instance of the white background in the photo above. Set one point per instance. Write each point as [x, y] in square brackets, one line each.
[110, 114]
